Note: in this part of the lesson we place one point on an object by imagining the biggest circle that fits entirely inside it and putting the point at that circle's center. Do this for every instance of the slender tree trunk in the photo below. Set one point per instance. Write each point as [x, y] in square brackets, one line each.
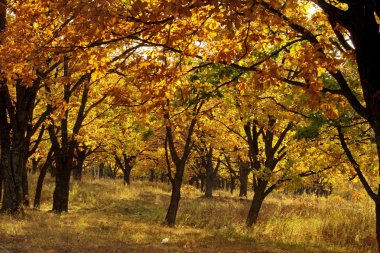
[257, 201]
[180, 163]
[41, 178]
[40, 182]
[202, 184]
[171, 214]
[101, 171]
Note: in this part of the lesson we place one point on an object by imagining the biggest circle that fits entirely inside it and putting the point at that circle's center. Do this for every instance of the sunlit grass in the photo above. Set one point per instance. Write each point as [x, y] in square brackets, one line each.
[105, 216]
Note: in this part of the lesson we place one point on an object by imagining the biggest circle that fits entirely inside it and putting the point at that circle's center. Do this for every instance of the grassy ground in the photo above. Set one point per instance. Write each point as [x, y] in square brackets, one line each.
[105, 216]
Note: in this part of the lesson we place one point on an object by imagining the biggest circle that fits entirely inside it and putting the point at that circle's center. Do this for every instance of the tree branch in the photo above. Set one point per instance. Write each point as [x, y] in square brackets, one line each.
[356, 166]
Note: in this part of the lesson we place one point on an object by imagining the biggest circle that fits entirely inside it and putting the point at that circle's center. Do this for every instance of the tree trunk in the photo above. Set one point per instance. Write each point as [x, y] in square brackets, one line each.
[127, 177]
[232, 186]
[257, 201]
[41, 178]
[53, 170]
[77, 172]
[171, 215]
[202, 184]
[197, 183]
[25, 187]
[377, 209]
[209, 188]
[101, 171]
[1, 186]
[151, 175]
[40, 182]
[209, 182]
[12, 157]
[243, 185]
[78, 168]
[162, 178]
[62, 188]
[13, 193]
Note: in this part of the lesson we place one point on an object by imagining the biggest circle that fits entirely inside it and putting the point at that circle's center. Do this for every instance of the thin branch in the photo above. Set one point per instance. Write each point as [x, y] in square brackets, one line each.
[356, 166]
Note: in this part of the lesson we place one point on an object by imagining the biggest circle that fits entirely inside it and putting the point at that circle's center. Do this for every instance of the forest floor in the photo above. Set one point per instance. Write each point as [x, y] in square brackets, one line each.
[105, 216]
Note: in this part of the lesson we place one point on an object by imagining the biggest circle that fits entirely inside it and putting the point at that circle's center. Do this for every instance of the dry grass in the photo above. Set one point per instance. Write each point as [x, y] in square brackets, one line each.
[105, 216]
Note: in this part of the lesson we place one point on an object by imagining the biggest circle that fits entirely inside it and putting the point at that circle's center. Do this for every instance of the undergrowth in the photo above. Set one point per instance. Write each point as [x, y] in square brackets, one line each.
[106, 216]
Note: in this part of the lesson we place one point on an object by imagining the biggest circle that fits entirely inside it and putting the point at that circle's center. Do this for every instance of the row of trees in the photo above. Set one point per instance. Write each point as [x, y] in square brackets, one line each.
[189, 84]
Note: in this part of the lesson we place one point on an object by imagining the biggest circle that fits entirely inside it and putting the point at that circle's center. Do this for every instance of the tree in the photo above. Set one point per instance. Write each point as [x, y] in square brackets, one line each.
[206, 155]
[346, 30]
[46, 35]
[82, 152]
[41, 178]
[178, 160]
[126, 166]
[263, 170]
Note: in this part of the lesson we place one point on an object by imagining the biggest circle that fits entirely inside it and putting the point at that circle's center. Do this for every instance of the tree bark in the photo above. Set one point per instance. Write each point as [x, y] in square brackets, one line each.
[127, 177]
[53, 170]
[377, 210]
[180, 163]
[25, 187]
[77, 172]
[232, 185]
[78, 168]
[1, 186]
[257, 201]
[171, 214]
[62, 188]
[209, 181]
[41, 178]
[12, 179]
[151, 175]
[40, 182]
[243, 189]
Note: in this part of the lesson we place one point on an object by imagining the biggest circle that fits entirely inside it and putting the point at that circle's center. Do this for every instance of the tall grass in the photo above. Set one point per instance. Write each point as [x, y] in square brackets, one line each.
[105, 216]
